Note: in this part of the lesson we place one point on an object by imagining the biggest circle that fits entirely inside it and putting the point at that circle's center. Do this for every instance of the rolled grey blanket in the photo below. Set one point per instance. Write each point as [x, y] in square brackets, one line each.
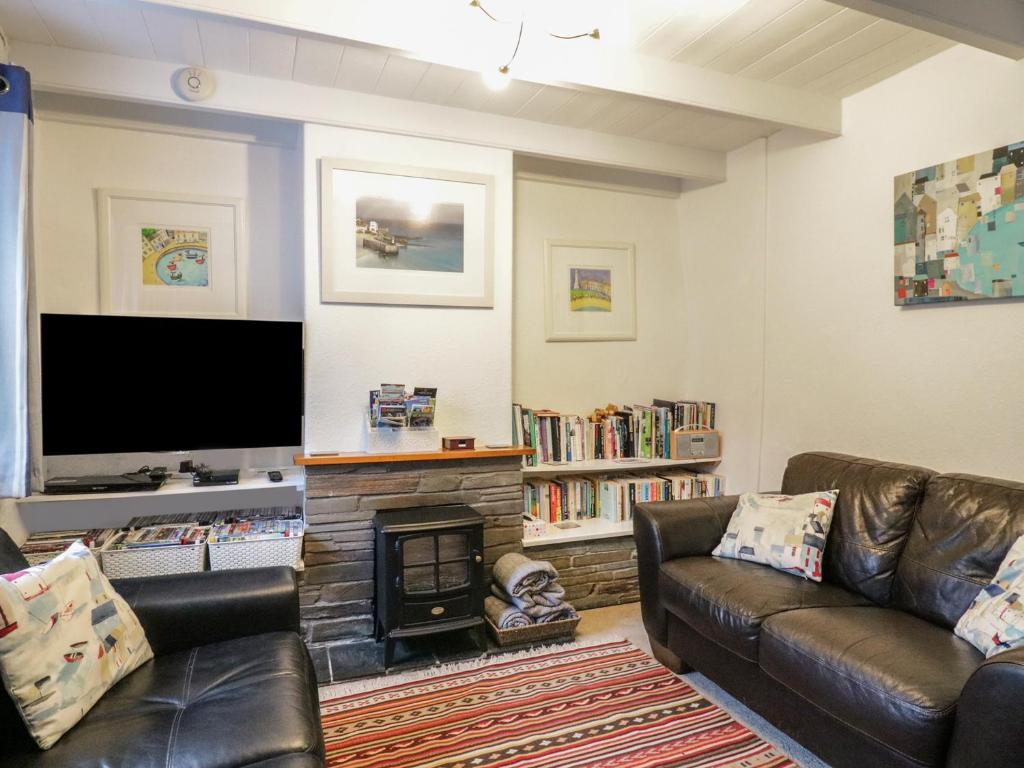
[518, 574]
[550, 597]
[505, 616]
[563, 612]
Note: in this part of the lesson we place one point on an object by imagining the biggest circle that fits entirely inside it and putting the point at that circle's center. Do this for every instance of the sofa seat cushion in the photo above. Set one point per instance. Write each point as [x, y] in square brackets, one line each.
[890, 675]
[726, 600]
[243, 702]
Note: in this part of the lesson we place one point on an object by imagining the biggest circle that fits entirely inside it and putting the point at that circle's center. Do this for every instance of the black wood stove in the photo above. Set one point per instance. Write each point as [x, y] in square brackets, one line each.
[429, 572]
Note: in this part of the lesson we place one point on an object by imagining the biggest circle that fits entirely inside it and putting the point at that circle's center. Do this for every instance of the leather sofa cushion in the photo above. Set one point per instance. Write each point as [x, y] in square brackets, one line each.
[873, 515]
[244, 702]
[726, 600]
[965, 527]
[892, 676]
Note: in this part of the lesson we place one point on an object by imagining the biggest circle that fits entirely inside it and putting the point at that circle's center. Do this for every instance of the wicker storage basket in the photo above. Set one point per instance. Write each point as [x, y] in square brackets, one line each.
[534, 633]
[153, 561]
[225, 555]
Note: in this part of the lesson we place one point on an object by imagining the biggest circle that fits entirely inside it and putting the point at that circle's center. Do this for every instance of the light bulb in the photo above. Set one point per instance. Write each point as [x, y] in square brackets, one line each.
[496, 79]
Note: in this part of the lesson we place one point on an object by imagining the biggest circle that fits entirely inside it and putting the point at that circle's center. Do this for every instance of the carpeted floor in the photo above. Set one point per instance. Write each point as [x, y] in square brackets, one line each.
[607, 705]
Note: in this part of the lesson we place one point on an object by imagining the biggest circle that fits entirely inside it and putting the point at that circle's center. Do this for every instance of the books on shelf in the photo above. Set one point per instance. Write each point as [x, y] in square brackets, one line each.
[614, 497]
[637, 431]
[42, 547]
[162, 536]
[255, 530]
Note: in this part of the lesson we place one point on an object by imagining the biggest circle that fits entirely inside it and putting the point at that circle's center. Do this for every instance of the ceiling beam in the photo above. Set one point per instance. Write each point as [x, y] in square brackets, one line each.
[992, 25]
[62, 70]
[451, 33]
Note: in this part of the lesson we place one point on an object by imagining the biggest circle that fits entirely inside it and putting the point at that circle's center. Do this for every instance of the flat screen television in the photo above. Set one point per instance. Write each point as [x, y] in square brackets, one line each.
[118, 384]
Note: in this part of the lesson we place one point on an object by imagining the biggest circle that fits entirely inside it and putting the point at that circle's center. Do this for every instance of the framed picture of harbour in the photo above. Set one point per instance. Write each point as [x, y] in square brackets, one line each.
[590, 290]
[405, 235]
[171, 254]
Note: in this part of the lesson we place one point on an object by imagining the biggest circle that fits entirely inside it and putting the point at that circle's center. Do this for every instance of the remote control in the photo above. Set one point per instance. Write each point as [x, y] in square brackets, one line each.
[275, 476]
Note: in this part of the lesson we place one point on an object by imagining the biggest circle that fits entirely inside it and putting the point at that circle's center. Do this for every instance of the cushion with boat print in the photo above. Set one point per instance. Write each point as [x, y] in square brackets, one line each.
[66, 638]
[995, 620]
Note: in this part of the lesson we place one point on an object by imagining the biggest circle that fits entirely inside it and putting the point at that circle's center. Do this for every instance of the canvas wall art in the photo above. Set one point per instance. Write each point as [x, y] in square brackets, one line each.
[958, 229]
[405, 235]
[164, 253]
[590, 291]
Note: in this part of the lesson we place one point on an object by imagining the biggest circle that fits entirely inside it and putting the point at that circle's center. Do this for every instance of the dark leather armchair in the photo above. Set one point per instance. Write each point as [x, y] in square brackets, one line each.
[231, 683]
[862, 668]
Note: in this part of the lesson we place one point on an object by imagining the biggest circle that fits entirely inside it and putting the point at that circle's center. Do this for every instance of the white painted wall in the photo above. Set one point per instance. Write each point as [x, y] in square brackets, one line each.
[723, 232]
[845, 370]
[351, 349]
[576, 377]
[73, 159]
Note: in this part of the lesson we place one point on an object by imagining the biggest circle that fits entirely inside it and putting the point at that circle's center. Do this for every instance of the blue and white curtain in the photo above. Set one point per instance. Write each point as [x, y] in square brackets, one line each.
[16, 307]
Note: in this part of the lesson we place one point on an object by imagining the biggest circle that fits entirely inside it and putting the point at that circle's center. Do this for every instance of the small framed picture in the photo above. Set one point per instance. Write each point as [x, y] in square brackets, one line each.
[170, 254]
[590, 290]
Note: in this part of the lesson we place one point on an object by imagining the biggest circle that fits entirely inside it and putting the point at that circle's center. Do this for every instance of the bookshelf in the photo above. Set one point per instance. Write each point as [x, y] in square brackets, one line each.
[613, 465]
[582, 530]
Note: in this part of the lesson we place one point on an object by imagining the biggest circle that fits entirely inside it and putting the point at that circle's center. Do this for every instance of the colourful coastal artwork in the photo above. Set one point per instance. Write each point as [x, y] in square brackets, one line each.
[175, 257]
[958, 229]
[590, 290]
[418, 235]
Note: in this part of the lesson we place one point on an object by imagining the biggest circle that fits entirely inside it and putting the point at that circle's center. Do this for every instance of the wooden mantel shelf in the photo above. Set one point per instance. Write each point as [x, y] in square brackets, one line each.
[319, 460]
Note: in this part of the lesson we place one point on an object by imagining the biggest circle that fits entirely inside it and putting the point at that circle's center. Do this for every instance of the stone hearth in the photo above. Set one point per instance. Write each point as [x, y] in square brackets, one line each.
[336, 587]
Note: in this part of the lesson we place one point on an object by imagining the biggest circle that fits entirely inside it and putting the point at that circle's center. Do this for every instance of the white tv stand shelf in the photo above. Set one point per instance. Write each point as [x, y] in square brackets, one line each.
[42, 512]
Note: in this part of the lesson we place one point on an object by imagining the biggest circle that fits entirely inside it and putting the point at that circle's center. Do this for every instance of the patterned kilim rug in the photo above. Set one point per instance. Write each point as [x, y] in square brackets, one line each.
[600, 706]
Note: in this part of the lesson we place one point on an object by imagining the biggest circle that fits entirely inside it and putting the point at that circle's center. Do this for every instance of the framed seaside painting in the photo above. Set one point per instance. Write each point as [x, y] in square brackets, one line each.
[958, 229]
[590, 291]
[405, 235]
[168, 254]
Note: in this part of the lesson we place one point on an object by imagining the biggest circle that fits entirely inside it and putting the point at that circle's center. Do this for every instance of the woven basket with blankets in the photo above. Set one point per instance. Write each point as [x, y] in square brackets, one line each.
[526, 602]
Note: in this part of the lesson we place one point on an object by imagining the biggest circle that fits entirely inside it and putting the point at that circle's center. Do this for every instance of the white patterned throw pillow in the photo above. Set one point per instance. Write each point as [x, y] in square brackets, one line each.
[65, 639]
[995, 620]
[785, 532]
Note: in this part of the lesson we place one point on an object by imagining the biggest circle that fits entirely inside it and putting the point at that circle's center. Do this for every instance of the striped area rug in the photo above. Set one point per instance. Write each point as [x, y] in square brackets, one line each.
[603, 706]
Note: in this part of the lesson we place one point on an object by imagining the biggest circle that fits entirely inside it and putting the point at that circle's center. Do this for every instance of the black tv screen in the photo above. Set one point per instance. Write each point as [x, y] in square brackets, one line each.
[115, 384]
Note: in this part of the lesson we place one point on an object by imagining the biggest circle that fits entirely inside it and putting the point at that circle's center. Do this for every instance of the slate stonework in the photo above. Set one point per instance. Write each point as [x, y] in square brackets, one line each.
[336, 587]
[595, 574]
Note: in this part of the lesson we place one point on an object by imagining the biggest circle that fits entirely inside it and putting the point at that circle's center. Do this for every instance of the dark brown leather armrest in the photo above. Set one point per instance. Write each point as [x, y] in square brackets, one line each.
[666, 530]
[988, 728]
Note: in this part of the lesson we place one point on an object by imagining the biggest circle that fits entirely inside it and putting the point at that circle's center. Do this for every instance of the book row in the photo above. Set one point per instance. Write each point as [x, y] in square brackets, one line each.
[637, 431]
[612, 498]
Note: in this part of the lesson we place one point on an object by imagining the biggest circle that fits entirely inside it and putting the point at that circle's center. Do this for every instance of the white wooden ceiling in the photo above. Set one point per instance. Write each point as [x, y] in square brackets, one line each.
[806, 44]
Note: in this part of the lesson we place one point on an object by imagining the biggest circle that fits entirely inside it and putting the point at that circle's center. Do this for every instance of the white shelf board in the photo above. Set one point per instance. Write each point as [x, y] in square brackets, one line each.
[588, 530]
[613, 465]
[293, 478]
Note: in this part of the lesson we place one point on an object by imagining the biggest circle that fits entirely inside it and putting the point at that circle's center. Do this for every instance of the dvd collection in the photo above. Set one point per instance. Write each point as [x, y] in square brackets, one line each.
[612, 498]
[637, 431]
[392, 408]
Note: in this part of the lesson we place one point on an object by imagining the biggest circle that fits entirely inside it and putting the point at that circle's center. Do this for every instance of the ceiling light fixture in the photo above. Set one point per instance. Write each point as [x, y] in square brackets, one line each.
[498, 79]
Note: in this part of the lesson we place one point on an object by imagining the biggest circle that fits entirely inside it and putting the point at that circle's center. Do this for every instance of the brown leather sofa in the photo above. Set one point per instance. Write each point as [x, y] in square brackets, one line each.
[863, 669]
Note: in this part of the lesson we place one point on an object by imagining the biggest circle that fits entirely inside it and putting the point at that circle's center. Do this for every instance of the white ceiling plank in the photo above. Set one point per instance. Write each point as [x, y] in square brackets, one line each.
[225, 44]
[472, 93]
[833, 30]
[272, 54]
[457, 40]
[648, 112]
[439, 82]
[175, 36]
[123, 28]
[21, 21]
[547, 100]
[71, 25]
[619, 110]
[862, 43]
[60, 70]
[644, 18]
[400, 77]
[900, 54]
[317, 61]
[931, 48]
[513, 98]
[728, 137]
[778, 32]
[579, 112]
[360, 69]
[677, 121]
[733, 31]
[693, 19]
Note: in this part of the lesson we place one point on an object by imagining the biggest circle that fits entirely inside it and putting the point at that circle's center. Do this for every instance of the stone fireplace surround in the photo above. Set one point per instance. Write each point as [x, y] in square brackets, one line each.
[336, 587]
